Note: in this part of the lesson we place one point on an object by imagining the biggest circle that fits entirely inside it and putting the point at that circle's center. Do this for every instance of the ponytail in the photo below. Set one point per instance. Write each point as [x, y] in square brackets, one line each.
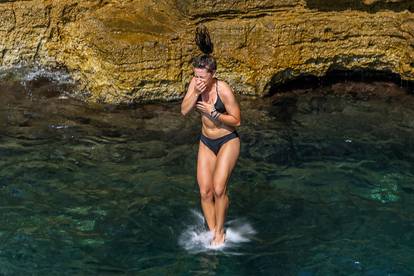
[203, 41]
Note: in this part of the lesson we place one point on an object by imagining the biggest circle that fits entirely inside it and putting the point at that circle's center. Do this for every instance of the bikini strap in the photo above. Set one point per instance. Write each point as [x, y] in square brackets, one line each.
[217, 88]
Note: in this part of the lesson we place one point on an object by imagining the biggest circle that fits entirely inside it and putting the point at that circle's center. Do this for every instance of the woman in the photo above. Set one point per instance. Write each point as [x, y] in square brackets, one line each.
[219, 145]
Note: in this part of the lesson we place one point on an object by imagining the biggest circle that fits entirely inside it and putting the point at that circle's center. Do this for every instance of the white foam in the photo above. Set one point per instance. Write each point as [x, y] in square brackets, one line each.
[196, 238]
[27, 73]
[57, 76]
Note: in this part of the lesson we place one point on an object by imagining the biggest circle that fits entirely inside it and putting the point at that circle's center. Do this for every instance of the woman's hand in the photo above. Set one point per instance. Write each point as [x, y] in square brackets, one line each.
[205, 107]
[200, 85]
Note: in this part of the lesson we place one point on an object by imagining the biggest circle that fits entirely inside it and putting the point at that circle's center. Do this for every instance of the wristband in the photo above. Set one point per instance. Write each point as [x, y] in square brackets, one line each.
[212, 112]
[216, 114]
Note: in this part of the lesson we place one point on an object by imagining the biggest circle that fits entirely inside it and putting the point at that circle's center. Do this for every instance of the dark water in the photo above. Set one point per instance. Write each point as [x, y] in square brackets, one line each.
[324, 185]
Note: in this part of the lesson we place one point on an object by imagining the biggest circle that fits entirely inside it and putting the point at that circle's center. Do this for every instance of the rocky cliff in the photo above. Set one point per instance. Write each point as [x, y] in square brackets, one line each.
[133, 50]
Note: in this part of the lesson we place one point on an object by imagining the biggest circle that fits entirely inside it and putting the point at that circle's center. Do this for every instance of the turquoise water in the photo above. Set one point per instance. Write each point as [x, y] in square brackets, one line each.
[324, 185]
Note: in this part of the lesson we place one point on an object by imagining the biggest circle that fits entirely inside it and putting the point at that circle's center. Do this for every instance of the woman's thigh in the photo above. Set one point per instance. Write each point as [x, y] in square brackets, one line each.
[206, 162]
[226, 160]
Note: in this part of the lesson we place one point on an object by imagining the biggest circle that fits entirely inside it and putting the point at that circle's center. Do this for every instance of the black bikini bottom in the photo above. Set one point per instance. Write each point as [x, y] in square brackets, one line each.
[216, 144]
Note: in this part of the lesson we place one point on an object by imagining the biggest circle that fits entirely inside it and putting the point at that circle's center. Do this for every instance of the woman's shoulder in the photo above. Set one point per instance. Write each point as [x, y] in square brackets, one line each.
[223, 86]
[225, 89]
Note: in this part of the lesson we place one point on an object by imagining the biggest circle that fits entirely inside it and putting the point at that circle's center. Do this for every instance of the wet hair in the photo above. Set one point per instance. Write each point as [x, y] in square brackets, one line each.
[203, 41]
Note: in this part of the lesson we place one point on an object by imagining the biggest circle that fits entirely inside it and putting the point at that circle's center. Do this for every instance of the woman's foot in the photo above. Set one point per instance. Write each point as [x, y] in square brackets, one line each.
[213, 235]
[219, 239]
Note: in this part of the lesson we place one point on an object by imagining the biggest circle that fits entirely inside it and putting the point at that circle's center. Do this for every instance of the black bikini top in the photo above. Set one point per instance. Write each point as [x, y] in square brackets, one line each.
[218, 105]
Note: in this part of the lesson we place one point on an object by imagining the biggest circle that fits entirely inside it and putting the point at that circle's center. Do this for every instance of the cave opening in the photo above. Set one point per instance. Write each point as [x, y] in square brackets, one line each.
[305, 82]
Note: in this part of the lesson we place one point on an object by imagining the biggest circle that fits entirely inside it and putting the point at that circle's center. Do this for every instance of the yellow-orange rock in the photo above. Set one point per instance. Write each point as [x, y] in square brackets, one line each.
[127, 51]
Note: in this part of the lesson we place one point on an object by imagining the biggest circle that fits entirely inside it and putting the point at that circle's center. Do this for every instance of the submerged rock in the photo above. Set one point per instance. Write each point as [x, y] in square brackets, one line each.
[129, 51]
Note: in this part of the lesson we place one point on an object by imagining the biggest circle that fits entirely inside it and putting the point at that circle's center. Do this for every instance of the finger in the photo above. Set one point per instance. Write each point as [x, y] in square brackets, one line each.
[200, 105]
[199, 89]
[200, 85]
[201, 108]
[200, 81]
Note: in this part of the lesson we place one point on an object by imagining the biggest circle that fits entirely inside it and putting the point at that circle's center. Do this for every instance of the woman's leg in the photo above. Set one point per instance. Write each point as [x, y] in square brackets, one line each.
[226, 160]
[206, 161]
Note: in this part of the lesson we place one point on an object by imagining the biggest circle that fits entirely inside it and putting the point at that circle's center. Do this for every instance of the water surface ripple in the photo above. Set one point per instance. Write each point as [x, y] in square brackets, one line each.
[324, 185]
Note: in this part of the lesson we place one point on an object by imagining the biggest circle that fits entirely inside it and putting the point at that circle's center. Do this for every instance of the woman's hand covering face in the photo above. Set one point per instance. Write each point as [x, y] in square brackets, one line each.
[200, 85]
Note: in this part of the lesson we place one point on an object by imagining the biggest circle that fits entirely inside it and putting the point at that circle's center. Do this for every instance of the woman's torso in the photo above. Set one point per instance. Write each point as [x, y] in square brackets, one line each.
[210, 127]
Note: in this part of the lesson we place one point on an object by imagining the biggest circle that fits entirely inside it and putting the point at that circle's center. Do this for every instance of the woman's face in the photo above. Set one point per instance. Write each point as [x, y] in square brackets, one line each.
[203, 74]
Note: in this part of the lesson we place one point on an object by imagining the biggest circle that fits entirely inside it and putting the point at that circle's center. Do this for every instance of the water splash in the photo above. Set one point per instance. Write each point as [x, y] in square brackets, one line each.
[196, 238]
[27, 73]
[38, 80]
[57, 76]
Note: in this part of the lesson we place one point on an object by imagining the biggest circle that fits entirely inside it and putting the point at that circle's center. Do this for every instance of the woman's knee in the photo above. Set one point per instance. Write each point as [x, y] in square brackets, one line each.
[219, 191]
[206, 194]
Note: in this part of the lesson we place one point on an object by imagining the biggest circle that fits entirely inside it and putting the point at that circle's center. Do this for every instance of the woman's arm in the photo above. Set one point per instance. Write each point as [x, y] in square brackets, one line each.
[190, 97]
[232, 118]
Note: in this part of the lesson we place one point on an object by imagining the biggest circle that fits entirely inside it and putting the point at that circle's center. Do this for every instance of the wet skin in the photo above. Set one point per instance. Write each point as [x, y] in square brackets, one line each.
[213, 171]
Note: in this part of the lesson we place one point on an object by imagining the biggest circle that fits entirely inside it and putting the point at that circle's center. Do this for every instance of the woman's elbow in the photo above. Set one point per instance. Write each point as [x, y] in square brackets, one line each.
[238, 123]
[184, 111]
